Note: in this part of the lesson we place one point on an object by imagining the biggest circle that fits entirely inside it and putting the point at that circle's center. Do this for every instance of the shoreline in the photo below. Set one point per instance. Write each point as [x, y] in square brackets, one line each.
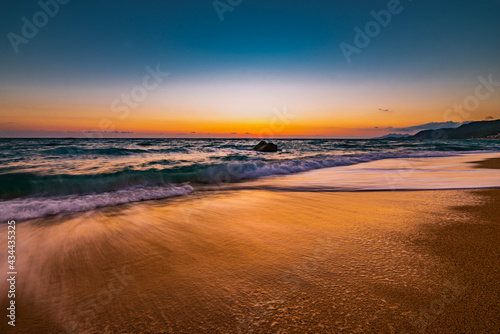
[247, 261]
[491, 163]
[262, 261]
[389, 174]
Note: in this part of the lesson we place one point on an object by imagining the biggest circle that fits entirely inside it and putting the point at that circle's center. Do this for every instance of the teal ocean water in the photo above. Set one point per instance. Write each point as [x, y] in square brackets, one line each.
[41, 177]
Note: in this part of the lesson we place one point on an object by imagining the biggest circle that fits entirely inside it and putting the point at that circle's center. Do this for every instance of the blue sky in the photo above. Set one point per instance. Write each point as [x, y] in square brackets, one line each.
[95, 45]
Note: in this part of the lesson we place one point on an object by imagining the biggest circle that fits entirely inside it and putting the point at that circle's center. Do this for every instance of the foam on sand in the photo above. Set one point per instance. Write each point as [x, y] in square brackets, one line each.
[265, 262]
[453, 172]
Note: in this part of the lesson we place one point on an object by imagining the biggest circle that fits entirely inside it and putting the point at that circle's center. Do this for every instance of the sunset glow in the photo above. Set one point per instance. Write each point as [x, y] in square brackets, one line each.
[227, 79]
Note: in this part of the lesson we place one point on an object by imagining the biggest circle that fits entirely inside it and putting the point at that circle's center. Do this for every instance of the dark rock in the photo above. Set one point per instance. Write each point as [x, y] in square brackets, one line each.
[260, 145]
[144, 144]
[263, 146]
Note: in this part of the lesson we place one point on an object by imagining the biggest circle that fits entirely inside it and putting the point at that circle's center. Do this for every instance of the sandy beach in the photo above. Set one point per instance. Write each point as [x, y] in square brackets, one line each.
[249, 167]
[255, 261]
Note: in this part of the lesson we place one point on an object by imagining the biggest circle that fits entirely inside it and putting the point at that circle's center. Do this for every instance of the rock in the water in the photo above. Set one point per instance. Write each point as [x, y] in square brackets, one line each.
[263, 146]
[260, 145]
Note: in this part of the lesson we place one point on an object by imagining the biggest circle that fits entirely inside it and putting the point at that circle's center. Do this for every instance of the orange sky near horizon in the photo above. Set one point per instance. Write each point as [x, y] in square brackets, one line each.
[238, 109]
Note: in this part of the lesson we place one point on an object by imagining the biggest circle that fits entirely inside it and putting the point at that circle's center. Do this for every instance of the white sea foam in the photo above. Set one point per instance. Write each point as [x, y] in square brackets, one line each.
[28, 208]
[378, 171]
[253, 170]
[424, 173]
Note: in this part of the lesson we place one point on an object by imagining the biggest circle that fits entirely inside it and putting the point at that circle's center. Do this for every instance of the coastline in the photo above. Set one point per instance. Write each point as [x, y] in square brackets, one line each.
[37, 196]
[262, 261]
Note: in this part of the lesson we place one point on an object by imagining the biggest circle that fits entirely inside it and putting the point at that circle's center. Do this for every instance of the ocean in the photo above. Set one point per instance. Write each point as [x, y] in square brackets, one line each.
[41, 177]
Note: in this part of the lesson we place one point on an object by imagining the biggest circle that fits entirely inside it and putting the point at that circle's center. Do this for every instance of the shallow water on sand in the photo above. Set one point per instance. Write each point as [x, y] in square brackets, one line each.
[451, 172]
[50, 176]
[455, 172]
[239, 262]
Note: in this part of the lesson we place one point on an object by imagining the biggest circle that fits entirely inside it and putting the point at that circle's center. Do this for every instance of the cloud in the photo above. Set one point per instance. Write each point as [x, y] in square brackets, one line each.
[193, 131]
[233, 133]
[489, 118]
[247, 133]
[429, 126]
[384, 110]
[97, 131]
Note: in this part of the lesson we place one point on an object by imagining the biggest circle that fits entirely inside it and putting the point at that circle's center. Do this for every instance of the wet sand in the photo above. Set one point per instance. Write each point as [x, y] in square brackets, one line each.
[492, 163]
[265, 262]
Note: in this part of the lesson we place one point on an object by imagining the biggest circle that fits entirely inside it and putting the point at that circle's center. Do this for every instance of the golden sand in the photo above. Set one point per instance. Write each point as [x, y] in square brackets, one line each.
[266, 262]
[256, 261]
[492, 163]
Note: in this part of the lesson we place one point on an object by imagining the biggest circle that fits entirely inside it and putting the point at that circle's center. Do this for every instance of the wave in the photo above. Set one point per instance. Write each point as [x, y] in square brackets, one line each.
[23, 209]
[30, 195]
[22, 185]
[110, 151]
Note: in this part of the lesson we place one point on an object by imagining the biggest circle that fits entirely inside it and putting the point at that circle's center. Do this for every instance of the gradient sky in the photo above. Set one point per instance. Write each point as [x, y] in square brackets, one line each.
[232, 78]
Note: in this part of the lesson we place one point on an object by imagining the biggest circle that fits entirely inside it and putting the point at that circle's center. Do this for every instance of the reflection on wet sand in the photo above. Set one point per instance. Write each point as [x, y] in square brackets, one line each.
[257, 261]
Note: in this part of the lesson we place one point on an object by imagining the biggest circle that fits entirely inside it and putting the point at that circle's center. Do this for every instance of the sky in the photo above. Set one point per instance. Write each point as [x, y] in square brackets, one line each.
[246, 68]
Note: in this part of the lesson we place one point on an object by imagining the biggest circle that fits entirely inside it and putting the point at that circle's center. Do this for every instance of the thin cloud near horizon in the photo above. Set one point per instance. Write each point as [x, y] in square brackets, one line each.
[427, 126]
